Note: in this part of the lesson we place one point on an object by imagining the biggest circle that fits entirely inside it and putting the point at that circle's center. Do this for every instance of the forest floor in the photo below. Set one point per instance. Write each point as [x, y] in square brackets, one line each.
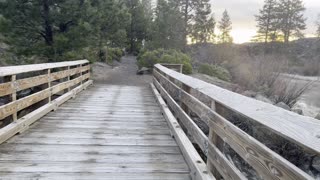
[123, 73]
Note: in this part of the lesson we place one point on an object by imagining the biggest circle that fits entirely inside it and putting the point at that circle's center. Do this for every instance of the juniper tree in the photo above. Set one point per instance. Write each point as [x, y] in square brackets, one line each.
[225, 27]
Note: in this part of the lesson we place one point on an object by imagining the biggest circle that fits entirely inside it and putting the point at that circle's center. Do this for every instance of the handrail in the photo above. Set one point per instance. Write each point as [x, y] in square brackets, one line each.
[65, 77]
[206, 100]
[12, 70]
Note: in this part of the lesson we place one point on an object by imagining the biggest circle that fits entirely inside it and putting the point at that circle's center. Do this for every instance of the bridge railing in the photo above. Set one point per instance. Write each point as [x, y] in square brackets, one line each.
[28, 92]
[215, 107]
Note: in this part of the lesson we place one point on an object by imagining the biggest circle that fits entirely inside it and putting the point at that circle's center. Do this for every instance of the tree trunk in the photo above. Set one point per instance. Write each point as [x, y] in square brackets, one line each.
[131, 29]
[47, 23]
[186, 17]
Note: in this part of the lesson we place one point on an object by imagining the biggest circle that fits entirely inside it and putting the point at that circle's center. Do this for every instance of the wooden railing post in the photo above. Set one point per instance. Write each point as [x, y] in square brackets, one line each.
[14, 96]
[218, 142]
[49, 85]
[69, 78]
[81, 73]
[187, 89]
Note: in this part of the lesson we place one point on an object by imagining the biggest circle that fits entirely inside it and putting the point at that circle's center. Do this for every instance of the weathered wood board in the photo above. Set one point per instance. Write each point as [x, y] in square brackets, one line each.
[106, 132]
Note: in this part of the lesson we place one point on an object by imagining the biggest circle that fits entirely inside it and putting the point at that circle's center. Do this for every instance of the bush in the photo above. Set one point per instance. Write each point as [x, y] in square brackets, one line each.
[216, 71]
[150, 58]
[108, 55]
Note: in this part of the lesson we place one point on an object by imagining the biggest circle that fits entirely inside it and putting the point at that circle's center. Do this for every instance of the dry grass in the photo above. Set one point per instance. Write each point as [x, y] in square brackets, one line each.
[263, 74]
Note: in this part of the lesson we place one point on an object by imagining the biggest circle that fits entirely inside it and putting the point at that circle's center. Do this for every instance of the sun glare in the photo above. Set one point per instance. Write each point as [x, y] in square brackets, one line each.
[242, 35]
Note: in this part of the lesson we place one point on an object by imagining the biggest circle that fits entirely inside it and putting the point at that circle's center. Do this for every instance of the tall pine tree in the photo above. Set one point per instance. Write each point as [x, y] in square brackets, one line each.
[167, 31]
[138, 27]
[225, 27]
[267, 22]
[291, 19]
[204, 23]
[187, 8]
[46, 27]
[318, 26]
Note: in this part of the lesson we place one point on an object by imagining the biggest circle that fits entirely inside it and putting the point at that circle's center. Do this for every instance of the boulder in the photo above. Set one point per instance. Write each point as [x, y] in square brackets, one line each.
[318, 116]
[298, 111]
[283, 106]
[24, 93]
[263, 99]
[144, 70]
[316, 163]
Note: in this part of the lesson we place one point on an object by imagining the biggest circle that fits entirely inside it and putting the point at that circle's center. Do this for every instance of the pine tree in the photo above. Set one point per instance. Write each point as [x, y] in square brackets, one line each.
[187, 8]
[138, 27]
[291, 19]
[225, 27]
[267, 22]
[318, 26]
[109, 19]
[204, 23]
[49, 28]
[167, 31]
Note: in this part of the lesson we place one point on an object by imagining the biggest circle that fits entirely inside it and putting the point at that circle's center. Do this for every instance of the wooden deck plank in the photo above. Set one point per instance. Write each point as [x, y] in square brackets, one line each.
[92, 167]
[107, 132]
[92, 149]
[97, 176]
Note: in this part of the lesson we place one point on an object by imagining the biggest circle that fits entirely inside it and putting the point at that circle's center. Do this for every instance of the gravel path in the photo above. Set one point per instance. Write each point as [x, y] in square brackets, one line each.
[123, 74]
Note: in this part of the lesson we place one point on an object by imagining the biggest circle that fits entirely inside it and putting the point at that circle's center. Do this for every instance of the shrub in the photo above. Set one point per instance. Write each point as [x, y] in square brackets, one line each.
[216, 71]
[108, 55]
[150, 58]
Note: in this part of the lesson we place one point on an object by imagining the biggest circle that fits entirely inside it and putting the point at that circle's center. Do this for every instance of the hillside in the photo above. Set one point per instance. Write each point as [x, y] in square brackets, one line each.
[299, 57]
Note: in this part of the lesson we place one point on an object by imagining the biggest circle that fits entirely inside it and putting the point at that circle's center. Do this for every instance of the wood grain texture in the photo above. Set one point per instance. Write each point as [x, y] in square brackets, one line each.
[114, 138]
[267, 163]
[193, 130]
[199, 169]
[225, 168]
[9, 109]
[11, 70]
[23, 123]
[301, 130]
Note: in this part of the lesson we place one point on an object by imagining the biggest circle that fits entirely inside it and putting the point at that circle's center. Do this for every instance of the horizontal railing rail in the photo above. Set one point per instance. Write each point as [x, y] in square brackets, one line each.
[55, 84]
[187, 97]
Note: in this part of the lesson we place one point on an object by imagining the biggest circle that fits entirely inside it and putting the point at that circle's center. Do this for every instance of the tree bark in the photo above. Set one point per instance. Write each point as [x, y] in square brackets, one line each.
[186, 18]
[47, 23]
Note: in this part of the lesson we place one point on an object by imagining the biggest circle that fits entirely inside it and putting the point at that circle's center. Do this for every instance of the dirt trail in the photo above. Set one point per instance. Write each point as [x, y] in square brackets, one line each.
[123, 74]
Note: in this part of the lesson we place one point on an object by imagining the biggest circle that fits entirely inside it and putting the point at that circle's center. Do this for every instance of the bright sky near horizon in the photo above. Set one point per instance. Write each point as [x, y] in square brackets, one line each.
[243, 21]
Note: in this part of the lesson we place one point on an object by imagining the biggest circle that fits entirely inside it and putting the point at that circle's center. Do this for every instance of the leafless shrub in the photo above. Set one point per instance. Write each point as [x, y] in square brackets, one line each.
[263, 74]
[286, 90]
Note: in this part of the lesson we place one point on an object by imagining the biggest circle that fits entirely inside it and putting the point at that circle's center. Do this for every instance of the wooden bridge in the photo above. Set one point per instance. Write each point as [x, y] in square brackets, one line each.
[59, 131]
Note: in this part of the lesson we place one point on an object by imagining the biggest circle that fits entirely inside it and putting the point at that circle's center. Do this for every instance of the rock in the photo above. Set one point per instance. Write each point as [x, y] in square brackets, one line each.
[316, 163]
[58, 93]
[318, 116]
[249, 93]
[283, 106]
[298, 111]
[263, 99]
[144, 70]
[202, 125]
[24, 93]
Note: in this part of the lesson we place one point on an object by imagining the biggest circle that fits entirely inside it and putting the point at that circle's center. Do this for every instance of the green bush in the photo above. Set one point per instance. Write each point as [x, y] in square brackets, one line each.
[109, 55]
[150, 58]
[216, 71]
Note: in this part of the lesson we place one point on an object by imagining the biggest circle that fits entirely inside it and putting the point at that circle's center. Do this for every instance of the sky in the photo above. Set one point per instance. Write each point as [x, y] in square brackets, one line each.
[243, 21]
